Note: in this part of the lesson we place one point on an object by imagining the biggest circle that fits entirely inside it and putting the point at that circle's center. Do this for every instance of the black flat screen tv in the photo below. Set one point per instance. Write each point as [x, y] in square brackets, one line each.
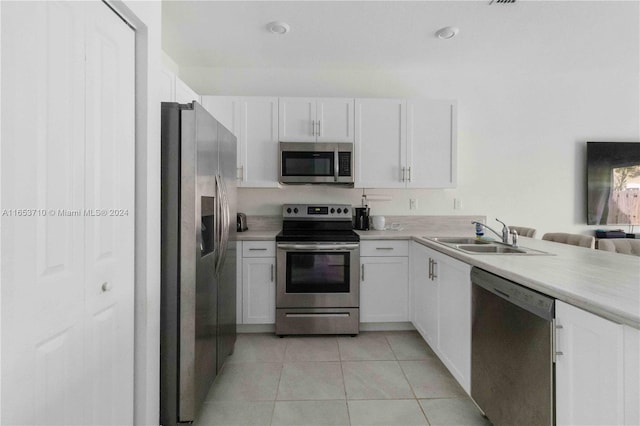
[613, 183]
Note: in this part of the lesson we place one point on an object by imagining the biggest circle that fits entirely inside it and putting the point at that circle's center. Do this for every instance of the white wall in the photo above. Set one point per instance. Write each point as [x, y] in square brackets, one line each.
[521, 132]
[147, 17]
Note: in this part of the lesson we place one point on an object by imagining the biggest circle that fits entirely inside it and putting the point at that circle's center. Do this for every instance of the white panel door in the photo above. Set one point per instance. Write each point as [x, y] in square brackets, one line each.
[431, 144]
[384, 289]
[48, 261]
[42, 252]
[335, 120]
[297, 119]
[380, 143]
[258, 290]
[589, 373]
[109, 248]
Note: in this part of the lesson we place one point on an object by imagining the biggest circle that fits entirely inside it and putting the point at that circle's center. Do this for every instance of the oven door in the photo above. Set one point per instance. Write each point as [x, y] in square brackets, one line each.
[317, 275]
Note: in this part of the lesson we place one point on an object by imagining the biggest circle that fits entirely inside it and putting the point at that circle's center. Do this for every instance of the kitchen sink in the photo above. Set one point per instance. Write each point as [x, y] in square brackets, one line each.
[458, 240]
[474, 246]
[490, 249]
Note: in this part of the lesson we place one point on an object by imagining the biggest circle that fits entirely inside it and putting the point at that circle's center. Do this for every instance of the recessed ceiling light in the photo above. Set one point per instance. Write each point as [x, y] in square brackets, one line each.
[447, 32]
[278, 27]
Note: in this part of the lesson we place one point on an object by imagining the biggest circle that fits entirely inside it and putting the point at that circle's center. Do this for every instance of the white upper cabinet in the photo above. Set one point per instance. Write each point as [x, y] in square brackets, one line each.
[184, 93]
[431, 144]
[380, 142]
[173, 89]
[225, 109]
[316, 120]
[405, 144]
[258, 142]
[167, 85]
[254, 121]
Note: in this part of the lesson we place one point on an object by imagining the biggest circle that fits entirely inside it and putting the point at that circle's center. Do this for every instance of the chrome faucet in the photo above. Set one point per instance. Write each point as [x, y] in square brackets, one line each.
[504, 236]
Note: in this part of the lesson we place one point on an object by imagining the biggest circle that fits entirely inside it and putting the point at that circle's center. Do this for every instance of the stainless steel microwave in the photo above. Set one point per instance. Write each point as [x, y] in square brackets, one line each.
[316, 163]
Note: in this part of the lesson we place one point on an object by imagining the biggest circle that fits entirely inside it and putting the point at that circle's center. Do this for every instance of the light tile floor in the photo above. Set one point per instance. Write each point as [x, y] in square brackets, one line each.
[376, 378]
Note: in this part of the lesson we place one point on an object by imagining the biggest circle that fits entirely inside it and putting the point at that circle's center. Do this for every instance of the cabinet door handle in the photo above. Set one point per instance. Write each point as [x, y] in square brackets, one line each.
[404, 173]
[409, 174]
[272, 272]
[430, 268]
[434, 270]
[257, 249]
[319, 129]
[384, 248]
[362, 273]
[313, 127]
[555, 350]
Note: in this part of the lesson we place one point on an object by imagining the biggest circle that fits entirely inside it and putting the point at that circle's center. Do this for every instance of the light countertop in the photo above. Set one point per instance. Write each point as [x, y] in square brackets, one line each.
[257, 235]
[604, 283]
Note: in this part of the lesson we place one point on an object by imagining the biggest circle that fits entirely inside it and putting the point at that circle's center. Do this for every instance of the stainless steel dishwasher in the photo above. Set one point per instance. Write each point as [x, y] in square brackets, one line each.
[512, 358]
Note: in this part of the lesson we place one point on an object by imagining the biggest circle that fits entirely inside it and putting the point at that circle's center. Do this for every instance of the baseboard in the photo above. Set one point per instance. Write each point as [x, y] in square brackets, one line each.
[366, 326]
[256, 328]
[386, 326]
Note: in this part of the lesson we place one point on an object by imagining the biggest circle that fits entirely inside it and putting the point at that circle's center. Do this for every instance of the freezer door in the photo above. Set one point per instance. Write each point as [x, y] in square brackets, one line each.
[199, 305]
[226, 272]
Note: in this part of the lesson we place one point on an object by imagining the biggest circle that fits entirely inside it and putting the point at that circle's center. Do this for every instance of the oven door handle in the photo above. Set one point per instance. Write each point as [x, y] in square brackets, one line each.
[316, 247]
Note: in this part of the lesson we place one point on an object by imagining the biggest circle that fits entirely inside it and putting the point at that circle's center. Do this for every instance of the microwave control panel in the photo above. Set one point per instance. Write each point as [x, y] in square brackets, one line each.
[344, 163]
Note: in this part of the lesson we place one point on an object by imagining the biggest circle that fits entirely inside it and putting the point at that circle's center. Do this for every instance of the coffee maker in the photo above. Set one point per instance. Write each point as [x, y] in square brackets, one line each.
[362, 218]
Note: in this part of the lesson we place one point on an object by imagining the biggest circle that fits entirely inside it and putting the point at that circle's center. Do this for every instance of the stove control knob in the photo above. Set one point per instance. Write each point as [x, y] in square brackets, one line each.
[333, 210]
[346, 210]
[289, 210]
[339, 210]
[295, 210]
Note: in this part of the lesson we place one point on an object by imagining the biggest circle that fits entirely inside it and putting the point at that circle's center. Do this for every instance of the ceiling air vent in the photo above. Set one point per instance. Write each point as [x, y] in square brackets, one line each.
[502, 1]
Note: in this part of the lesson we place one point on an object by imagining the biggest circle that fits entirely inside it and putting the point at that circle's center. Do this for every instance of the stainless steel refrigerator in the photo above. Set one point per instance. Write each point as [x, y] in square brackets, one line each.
[198, 257]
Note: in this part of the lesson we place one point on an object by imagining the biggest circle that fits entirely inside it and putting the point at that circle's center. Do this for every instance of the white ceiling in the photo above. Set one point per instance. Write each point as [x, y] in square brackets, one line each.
[400, 34]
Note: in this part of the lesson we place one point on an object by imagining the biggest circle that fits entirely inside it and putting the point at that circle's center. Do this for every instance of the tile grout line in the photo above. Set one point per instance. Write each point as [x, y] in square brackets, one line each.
[411, 386]
[275, 399]
[344, 384]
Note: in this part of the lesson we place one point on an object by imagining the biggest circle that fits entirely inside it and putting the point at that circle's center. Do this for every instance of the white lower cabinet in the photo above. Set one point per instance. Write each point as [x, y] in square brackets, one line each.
[384, 281]
[597, 361]
[424, 294]
[589, 370]
[631, 375]
[454, 317]
[441, 308]
[258, 282]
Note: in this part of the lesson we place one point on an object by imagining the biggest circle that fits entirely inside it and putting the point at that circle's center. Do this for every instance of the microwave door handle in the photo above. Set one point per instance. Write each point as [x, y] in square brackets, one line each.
[336, 165]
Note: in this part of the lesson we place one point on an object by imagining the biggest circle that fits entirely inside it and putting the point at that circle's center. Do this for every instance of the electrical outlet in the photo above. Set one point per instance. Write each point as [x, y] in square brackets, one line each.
[413, 204]
[457, 204]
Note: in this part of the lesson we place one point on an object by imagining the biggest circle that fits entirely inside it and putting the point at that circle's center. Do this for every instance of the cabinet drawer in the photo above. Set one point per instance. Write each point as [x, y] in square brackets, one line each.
[384, 248]
[258, 249]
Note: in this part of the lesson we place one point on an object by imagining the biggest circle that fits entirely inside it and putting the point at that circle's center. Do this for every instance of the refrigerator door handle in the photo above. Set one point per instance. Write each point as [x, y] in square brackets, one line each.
[224, 228]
